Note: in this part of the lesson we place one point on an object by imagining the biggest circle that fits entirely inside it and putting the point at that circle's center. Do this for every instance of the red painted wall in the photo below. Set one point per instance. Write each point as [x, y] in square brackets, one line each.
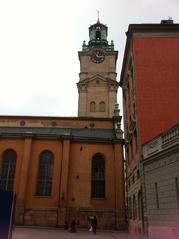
[156, 64]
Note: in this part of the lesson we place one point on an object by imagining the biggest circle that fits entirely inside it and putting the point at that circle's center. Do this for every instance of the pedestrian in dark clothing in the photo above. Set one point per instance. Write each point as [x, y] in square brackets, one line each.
[66, 225]
[94, 224]
[73, 226]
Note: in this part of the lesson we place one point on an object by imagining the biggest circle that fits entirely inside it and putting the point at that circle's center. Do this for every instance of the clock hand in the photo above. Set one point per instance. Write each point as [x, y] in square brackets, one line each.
[99, 56]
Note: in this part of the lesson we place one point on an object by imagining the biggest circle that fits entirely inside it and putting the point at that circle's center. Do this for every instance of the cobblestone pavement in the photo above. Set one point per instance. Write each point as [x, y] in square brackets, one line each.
[34, 233]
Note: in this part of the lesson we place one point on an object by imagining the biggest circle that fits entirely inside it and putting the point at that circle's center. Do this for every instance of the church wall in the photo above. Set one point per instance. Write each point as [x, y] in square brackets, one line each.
[75, 122]
[80, 165]
[32, 209]
[110, 210]
[39, 146]
[53, 210]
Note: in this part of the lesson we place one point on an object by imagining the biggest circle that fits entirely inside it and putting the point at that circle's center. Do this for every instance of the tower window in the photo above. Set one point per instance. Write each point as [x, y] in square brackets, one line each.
[92, 106]
[98, 35]
[8, 169]
[102, 106]
[44, 181]
[98, 176]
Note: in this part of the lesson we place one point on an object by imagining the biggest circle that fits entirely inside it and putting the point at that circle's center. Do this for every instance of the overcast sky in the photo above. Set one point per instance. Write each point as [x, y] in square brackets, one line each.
[39, 42]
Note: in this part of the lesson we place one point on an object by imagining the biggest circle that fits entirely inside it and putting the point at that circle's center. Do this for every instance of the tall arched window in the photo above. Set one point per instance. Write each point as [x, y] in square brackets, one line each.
[98, 176]
[92, 106]
[8, 169]
[45, 174]
[102, 106]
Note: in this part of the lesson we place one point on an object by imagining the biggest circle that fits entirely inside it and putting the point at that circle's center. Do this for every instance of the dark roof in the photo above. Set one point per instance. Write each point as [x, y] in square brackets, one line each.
[93, 133]
[56, 132]
[23, 117]
[152, 27]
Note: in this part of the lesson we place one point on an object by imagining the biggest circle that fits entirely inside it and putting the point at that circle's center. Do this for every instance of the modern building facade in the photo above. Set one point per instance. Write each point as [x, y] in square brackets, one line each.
[149, 80]
[70, 167]
[161, 181]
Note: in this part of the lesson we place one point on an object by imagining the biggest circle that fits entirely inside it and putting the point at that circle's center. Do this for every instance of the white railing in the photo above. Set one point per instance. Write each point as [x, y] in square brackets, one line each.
[161, 142]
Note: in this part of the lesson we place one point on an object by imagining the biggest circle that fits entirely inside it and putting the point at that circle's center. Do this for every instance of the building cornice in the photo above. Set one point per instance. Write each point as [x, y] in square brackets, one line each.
[50, 133]
[81, 118]
[164, 142]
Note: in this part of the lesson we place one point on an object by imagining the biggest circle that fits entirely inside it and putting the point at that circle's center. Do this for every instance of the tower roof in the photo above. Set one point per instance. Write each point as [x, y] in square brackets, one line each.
[98, 33]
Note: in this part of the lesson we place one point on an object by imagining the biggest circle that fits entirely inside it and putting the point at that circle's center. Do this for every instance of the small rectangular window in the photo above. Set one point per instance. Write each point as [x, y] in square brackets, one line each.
[156, 195]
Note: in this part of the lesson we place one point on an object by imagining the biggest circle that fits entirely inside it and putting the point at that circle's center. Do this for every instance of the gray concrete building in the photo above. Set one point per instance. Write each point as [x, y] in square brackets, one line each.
[161, 184]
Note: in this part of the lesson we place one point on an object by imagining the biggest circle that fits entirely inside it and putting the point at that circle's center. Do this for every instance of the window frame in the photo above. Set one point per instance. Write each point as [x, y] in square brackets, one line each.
[98, 182]
[92, 106]
[45, 174]
[102, 106]
[9, 165]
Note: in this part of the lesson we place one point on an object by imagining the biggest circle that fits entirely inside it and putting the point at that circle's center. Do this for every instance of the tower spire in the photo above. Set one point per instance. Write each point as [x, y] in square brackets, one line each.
[98, 16]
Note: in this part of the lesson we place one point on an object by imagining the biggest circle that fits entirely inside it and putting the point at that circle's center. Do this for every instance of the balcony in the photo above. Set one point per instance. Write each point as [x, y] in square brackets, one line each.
[162, 142]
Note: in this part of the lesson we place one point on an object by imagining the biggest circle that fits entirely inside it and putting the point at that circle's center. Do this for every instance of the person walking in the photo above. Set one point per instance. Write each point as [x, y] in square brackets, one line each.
[73, 225]
[94, 224]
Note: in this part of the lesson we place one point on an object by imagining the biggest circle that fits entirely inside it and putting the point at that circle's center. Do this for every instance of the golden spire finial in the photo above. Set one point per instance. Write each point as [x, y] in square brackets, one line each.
[98, 16]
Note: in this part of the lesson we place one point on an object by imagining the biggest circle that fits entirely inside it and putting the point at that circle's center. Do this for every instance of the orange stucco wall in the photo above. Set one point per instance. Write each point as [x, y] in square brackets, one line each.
[71, 187]
[72, 122]
[80, 165]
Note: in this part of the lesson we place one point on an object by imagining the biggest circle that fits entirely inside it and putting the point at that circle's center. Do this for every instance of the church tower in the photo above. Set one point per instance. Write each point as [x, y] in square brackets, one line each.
[97, 86]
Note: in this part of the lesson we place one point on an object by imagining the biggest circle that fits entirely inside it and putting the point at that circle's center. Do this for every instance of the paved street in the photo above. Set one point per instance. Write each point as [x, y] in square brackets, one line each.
[34, 233]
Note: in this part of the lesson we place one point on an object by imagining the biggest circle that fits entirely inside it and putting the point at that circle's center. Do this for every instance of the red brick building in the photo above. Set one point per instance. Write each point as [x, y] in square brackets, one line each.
[66, 167]
[149, 80]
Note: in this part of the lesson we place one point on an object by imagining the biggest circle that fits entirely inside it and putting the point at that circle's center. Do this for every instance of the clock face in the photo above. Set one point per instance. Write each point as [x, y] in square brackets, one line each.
[97, 56]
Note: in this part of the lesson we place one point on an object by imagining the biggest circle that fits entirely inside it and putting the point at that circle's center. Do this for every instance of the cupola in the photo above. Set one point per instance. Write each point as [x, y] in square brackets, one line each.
[98, 34]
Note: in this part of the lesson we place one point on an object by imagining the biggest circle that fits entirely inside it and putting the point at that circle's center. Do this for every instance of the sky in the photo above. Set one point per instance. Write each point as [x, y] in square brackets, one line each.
[39, 44]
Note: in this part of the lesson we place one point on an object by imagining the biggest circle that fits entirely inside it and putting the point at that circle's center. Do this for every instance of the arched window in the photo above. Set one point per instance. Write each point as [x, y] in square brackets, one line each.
[45, 174]
[8, 169]
[98, 176]
[102, 106]
[92, 106]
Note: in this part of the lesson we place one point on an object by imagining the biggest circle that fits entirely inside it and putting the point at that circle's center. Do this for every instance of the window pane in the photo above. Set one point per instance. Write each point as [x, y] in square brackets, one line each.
[98, 177]
[8, 170]
[92, 106]
[45, 174]
[102, 106]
